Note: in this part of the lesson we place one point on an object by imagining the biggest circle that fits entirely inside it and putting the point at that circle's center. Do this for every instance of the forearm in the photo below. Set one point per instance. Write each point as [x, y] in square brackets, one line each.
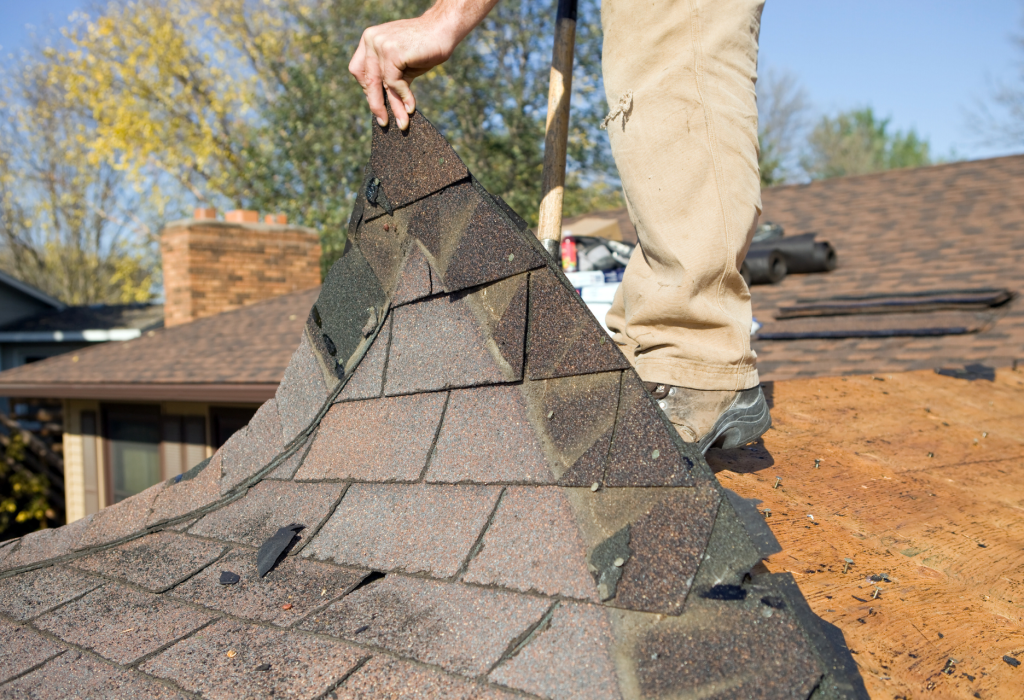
[457, 18]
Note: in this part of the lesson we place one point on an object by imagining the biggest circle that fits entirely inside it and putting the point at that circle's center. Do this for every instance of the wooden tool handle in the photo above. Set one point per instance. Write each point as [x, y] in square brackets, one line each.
[556, 137]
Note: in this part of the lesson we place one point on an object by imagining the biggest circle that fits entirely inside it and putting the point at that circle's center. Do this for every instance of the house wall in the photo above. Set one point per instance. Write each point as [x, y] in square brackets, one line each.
[86, 457]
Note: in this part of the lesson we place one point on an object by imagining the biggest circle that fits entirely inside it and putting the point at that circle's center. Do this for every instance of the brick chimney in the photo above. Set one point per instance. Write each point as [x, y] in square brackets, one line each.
[211, 266]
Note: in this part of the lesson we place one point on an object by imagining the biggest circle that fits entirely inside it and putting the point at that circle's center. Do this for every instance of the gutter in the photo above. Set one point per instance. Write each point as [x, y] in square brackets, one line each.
[148, 392]
[86, 336]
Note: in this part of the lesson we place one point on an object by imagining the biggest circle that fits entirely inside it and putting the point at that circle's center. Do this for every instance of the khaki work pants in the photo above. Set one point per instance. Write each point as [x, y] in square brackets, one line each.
[679, 77]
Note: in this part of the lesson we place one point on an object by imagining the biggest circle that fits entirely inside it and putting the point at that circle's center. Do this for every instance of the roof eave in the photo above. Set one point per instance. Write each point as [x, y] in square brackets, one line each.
[207, 393]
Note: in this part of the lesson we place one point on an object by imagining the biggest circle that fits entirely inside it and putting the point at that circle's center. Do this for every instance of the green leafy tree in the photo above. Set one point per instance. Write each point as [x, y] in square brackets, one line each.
[858, 142]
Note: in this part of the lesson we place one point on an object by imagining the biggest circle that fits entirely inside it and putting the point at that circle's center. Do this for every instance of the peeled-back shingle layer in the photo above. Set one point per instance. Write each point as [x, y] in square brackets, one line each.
[491, 506]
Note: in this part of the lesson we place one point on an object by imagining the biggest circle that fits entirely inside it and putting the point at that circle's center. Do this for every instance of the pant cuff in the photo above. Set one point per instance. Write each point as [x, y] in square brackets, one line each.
[697, 375]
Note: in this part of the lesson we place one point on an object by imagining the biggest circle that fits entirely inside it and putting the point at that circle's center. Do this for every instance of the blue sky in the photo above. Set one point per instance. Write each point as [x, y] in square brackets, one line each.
[923, 64]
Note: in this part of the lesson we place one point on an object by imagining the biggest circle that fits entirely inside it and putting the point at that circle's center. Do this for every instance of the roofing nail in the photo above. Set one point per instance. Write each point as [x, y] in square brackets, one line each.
[817, 464]
[846, 567]
[931, 454]
[877, 591]
[778, 480]
[767, 512]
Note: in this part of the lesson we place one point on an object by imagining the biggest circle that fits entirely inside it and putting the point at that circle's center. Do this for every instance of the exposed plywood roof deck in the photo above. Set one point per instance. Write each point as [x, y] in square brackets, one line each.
[948, 529]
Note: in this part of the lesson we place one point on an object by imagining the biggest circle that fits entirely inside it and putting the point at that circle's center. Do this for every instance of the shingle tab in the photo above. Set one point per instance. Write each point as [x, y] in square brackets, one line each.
[385, 677]
[571, 658]
[470, 239]
[31, 594]
[534, 544]
[731, 649]
[155, 562]
[187, 496]
[267, 506]
[579, 412]
[349, 292]
[251, 448]
[414, 280]
[45, 544]
[644, 449]
[302, 391]
[375, 440]
[487, 437]
[75, 675]
[122, 624]
[302, 584]
[667, 544]
[23, 648]
[414, 163]
[221, 661]
[367, 381]
[564, 338]
[439, 344]
[459, 628]
[414, 528]
[121, 519]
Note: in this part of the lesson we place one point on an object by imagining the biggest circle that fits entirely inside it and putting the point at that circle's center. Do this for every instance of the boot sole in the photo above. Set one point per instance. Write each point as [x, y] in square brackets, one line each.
[738, 425]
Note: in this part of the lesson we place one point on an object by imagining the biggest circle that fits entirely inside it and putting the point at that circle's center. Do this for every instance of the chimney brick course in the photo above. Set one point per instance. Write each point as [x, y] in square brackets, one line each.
[213, 266]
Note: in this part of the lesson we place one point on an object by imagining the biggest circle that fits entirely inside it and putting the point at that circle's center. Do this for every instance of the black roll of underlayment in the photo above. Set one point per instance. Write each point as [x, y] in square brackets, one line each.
[803, 254]
[763, 266]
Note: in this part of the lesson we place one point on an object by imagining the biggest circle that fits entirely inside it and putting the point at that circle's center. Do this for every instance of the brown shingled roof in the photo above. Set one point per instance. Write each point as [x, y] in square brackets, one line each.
[495, 509]
[238, 355]
[940, 228]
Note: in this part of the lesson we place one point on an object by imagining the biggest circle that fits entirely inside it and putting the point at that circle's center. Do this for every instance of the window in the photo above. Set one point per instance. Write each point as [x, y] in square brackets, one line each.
[184, 443]
[133, 446]
[225, 422]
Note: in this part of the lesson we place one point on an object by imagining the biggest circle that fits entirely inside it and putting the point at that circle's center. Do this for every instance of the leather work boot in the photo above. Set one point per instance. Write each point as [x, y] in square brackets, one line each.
[722, 419]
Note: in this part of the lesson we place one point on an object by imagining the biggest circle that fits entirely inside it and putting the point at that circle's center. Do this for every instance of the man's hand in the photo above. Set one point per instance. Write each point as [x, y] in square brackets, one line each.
[391, 55]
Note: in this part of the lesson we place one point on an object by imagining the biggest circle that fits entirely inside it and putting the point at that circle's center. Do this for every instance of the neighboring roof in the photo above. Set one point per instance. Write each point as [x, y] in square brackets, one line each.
[626, 228]
[238, 355]
[94, 323]
[29, 290]
[488, 505]
[940, 228]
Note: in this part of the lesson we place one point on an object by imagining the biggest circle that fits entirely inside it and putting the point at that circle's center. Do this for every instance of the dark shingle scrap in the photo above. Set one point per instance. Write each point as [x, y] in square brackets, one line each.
[303, 584]
[267, 506]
